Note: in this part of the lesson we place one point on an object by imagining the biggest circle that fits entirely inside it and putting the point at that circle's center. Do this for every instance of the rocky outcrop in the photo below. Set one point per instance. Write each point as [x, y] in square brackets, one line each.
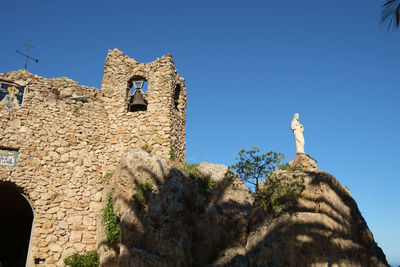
[181, 224]
[325, 228]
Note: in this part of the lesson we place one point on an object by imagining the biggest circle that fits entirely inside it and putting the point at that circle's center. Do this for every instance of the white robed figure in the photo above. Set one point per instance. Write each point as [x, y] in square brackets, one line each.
[298, 133]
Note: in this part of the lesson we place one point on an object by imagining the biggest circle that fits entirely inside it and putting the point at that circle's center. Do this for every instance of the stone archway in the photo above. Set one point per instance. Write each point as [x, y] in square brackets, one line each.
[15, 226]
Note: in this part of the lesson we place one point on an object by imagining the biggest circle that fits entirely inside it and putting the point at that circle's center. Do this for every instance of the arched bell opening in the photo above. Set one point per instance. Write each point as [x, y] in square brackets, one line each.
[177, 93]
[137, 88]
[15, 226]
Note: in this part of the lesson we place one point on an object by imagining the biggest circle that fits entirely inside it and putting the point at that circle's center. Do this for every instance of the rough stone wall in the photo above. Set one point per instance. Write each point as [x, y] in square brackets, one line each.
[59, 164]
[178, 116]
[161, 125]
[65, 147]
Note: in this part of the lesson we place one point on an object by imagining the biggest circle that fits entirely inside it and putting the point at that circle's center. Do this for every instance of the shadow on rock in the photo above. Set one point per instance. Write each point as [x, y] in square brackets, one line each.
[180, 224]
[324, 229]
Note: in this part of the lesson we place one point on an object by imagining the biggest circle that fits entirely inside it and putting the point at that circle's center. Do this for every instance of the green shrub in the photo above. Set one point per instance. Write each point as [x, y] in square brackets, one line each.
[172, 154]
[76, 108]
[277, 195]
[107, 176]
[148, 148]
[192, 171]
[204, 182]
[287, 167]
[142, 194]
[89, 259]
[112, 223]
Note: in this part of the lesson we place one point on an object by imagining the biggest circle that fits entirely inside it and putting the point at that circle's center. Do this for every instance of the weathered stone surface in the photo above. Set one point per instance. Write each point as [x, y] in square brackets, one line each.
[324, 228]
[65, 146]
[75, 237]
[304, 161]
[55, 248]
[215, 171]
[95, 206]
[180, 225]
[235, 257]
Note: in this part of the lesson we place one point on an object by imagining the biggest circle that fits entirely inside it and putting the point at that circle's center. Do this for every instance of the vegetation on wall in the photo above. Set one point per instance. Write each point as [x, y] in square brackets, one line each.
[148, 140]
[77, 107]
[107, 176]
[89, 259]
[112, 223]
[147, 147]
[172, 154]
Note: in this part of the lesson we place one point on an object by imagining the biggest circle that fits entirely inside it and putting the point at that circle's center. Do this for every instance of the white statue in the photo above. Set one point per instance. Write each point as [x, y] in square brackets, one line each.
[298, 134]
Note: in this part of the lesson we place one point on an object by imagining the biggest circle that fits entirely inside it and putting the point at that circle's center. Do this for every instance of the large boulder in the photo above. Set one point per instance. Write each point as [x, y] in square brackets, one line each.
[180, 223]
[324, 228]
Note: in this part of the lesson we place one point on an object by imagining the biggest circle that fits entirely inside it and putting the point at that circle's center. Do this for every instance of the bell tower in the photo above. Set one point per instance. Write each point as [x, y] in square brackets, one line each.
[154, 116]
[136, 101]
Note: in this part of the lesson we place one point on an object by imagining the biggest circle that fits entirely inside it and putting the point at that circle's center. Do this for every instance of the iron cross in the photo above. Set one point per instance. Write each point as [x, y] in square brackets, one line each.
[28, 45]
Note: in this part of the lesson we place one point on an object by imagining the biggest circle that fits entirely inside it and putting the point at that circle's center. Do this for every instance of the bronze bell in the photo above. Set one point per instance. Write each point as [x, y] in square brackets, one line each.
[137, 102]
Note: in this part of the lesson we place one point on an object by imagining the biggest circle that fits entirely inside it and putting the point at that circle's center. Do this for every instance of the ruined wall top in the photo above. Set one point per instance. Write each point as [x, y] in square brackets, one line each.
[119, 69]
[161, 124]
[161, 75]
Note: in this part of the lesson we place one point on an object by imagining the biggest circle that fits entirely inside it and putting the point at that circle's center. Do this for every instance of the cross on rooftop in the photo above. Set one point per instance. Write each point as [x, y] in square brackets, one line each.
[28, 45]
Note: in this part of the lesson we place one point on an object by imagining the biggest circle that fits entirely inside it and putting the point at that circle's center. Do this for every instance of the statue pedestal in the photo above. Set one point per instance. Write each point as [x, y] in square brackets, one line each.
[304, 161]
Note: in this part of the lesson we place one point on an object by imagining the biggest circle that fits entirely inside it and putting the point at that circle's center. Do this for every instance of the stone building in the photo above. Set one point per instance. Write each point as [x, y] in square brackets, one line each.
[59, 140]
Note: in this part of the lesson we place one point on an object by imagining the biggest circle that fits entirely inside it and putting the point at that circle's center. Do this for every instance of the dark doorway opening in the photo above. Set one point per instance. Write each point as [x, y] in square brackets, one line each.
[15, 226]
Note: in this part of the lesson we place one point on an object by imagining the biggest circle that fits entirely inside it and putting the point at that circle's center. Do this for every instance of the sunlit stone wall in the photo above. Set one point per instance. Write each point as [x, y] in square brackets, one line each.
[66, 145]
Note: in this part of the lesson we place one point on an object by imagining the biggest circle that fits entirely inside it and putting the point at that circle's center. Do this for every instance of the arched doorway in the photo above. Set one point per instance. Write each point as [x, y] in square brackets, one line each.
[15, 226]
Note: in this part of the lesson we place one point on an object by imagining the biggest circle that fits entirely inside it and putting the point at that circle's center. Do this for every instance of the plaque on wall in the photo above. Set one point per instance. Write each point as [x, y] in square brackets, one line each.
[8, 157]
[11, 95]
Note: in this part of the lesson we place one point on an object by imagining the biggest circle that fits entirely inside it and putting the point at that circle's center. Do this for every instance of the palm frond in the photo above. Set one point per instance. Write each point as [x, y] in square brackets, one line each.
[391, 13]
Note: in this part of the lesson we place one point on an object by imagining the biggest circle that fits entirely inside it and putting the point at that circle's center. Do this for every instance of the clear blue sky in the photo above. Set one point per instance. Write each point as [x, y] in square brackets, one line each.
[248, 67]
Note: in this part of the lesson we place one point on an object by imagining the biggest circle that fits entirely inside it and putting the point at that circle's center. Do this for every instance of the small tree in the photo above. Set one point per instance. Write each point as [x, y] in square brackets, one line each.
[253, 167]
